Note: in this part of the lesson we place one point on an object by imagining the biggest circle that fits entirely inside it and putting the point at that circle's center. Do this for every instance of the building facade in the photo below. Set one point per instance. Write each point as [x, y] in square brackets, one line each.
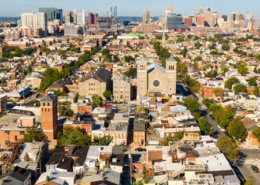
[52, 14]
[155, 78]
[146, 16]
[121, 88]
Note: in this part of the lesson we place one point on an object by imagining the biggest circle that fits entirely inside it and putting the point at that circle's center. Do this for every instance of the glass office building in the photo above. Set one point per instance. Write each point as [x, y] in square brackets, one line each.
[52, 13]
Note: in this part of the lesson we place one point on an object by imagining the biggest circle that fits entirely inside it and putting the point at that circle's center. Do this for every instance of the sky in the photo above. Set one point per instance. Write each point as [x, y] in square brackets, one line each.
[14, 8]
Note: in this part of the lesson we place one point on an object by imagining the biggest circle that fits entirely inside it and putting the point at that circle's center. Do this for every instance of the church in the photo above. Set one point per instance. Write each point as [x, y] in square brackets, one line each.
[155, 78]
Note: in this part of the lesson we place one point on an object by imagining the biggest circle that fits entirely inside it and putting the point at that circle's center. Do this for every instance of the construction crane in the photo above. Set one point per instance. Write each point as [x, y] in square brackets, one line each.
[107, 20]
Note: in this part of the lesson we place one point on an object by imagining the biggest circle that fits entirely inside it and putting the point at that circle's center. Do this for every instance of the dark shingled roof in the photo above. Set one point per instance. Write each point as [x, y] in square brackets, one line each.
[49, 98]
[101, 75]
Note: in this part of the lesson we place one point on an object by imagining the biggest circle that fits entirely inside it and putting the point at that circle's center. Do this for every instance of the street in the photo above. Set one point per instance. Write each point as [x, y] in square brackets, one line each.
[248, 156]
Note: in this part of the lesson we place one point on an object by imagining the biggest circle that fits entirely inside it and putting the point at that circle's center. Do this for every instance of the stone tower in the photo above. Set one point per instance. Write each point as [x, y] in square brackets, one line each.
[141, 78]
[171, 66]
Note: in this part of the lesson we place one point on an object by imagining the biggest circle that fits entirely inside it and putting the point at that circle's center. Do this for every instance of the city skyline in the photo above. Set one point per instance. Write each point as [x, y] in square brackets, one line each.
[133, 8]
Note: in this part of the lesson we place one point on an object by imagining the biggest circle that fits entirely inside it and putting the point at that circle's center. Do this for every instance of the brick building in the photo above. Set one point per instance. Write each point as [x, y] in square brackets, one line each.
[139, 136]
[49, 117]
[3, 103]
[188, 21]
[147, 28]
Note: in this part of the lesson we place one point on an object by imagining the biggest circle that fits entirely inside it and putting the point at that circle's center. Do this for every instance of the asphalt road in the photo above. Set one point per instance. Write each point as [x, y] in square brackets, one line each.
[248, 173]
[245, 169]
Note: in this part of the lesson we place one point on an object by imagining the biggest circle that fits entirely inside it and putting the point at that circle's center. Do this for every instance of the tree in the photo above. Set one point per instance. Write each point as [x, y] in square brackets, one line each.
[207, 102]
[65, 111]
[252, 81]
[197, 45]
[73, 136]
[249, 182]
[216, 111]
[132, 72]
[193, 105]
[230, 82]
[102, 141]
[107, 94]
[96, 99]
[211, 74]
[179, 136]
[224, 70]
[128, 59]
[226, 117]
[184, 52]
[198, 58]
[256, 91]
[217, 91]
[32, 134]
[240, 88]
[228, 57]
[193, 84]
[237, 129]
[225, 47]
[205, 126]
[256, 133]
[106, 52]
[228, 147]
[145, 109]
[242, 69]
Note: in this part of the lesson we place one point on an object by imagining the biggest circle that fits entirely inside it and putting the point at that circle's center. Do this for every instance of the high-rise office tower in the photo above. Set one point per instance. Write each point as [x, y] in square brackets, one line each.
[200, 20]
[225, 17]
[209, 18]
[201, 10]
[168, 12]
[92, 20]
[248, 16]
[70, 18]
[77, 17]
[160, 18]
[31, 20]
[256, 22]
[146, 16]
[52, 14]
[80, 17]
[113, 11]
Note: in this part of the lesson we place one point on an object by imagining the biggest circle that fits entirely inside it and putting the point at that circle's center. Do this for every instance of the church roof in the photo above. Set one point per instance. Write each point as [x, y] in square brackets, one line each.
[153, 66]
[142, 59]
[171, 60]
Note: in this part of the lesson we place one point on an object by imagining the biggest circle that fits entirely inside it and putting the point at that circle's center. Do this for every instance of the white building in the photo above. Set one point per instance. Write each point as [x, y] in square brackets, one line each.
[31, 20]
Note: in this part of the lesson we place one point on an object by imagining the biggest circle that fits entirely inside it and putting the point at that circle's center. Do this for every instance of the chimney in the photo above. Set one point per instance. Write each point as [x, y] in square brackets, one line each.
[47, 178]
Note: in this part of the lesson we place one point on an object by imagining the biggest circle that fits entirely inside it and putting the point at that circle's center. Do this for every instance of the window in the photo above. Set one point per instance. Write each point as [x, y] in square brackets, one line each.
[85, 128]
[138, 141]
[135, 141]
[43, 104]
[135, 135]
[141, 88]
[142, 135]
[138, 135]
[48, 104]
[116, 136]
[120, 136]
[7, 132]
[7, 142]
[167, 135]
[89, 128]
[21, 132]
[124, 135]
[15, 138]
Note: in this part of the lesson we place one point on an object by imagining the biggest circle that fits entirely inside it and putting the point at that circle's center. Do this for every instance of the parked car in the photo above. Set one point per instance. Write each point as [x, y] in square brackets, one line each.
[255, 169]
[140, 150]
[211, 117]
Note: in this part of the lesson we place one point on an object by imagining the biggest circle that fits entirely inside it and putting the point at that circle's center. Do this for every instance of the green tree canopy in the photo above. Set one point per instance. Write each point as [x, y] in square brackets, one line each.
[249, 182]
[237, 129]
[230, 82]
[32, 133]
[207, 102]
[184, 52]
[205, 126]
[228, 147]
[102, 141]
[132, 72]
[73, 136]
[228, 57]
[242, 69]
[256, 133]
[198, 58]
[226, 117]
[252, 81]
[193, 105]
[107, 94]
[240, 88]
[128, 58]
[225, 47]
[145, 109]
[256, 91]
[96, 100]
